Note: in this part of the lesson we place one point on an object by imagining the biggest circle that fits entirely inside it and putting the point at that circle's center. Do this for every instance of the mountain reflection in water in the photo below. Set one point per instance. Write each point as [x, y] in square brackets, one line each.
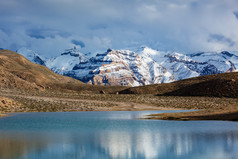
[120, 138]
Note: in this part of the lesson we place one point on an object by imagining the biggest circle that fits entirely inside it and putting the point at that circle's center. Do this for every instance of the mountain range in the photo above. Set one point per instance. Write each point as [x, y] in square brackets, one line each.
[18, 73]
[135, 67]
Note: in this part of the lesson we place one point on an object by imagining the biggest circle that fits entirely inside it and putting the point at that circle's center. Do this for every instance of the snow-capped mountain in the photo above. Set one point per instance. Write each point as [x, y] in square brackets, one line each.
[121, 67]
[32, 56]
[200, 64]
[142, 66]
[184, 66]
[66, 61]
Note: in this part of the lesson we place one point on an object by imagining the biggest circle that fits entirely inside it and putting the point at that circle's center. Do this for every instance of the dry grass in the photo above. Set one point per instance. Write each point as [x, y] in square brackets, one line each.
[49, 101]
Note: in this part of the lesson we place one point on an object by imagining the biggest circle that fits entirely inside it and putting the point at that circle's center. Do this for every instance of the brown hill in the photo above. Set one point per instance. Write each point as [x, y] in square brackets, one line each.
[18, 72]
[218, 85]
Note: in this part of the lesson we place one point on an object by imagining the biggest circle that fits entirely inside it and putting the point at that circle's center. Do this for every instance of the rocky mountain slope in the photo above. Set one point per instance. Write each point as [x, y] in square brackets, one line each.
[120, 67]
[143, 66]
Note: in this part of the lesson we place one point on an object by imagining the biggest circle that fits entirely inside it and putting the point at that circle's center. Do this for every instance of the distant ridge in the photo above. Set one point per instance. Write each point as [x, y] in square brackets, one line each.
[218, 85]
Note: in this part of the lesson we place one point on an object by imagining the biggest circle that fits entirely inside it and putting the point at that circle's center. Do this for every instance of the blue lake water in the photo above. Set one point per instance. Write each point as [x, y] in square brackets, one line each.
[114, 135]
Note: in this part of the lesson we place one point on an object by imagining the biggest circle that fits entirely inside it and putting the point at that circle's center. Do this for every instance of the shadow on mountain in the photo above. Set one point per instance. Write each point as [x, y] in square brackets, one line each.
[213, 87]
[218, 85]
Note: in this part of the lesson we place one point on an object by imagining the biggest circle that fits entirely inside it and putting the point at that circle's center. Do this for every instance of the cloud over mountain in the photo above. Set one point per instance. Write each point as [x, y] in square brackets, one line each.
[178, 25]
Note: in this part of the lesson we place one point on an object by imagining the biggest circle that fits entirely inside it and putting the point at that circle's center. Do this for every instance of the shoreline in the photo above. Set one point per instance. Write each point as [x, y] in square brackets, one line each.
[197, 115]
[193, 115]
[158, 109]
[3, 115]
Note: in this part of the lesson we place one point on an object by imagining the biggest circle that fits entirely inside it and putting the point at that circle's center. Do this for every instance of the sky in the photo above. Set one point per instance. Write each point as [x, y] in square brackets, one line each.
[51, 26]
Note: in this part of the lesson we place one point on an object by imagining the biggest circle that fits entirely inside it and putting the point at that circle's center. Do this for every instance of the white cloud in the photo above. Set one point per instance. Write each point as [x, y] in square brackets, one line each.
[179, 25]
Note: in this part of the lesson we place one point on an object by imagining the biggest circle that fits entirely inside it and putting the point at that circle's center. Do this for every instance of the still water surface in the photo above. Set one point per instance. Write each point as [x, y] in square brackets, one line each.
[114, 135]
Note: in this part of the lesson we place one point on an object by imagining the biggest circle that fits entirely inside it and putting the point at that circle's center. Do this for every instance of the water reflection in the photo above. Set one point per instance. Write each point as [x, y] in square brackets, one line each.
[114, 144]
[152, 145]
[137, 139]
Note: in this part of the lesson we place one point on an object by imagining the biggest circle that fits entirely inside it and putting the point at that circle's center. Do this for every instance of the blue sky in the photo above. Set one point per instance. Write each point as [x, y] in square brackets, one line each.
[50, 26]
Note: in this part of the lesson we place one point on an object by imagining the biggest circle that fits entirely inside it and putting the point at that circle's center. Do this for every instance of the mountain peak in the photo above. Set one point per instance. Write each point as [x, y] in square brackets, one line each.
[31, 55]
[26, 52]
[72, 52]
[227, 53]
[109, 50]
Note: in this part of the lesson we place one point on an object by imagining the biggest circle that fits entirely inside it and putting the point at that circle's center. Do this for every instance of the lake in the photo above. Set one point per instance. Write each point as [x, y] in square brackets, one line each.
[114, 135]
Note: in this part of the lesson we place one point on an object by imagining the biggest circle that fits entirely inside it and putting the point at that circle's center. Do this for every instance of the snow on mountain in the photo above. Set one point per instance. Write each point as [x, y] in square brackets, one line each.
[141, 66]
[121, 67]
[193, 65]
[65, 63]
[158, 56]
[32, 56]
[170, 62]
